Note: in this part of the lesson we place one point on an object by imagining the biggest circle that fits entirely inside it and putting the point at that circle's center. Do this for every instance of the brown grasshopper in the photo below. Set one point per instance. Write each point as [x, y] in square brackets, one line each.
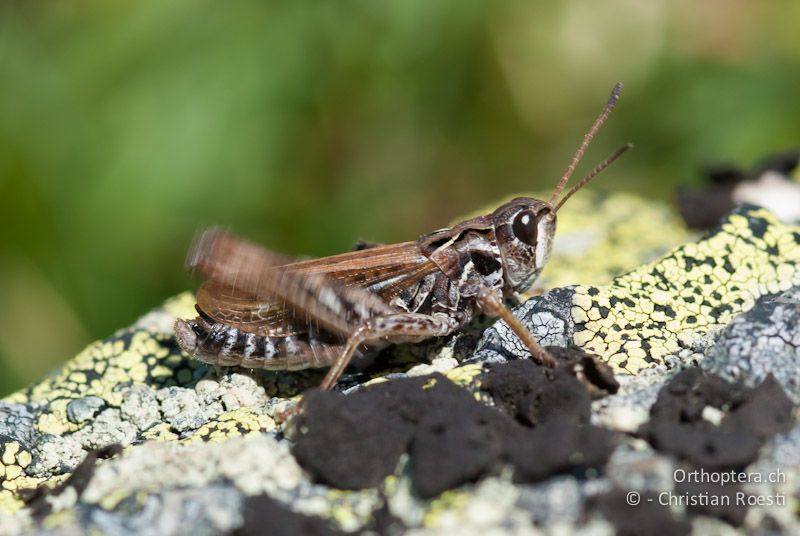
[260, 310]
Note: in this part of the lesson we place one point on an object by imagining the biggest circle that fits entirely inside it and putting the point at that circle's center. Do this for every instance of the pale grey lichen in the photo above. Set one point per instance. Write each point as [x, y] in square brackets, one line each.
[765, 340]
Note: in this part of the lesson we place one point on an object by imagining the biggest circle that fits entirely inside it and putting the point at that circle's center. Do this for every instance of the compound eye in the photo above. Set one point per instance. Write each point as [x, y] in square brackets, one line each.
[525, 226]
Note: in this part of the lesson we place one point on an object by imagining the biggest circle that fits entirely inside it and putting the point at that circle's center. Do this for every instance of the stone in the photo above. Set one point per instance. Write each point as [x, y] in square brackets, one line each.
[82, 409]
[763, 341]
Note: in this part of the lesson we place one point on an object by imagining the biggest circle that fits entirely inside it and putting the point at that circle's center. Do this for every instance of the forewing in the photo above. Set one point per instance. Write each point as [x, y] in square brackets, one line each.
[383, 270]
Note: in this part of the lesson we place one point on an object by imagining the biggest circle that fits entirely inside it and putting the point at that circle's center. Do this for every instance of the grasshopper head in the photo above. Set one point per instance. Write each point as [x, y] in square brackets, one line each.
[524, 228]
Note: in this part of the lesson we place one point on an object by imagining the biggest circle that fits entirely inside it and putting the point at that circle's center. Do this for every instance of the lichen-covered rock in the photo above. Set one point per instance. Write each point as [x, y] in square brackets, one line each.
[203, 448]
[765, 340]
[668, 308]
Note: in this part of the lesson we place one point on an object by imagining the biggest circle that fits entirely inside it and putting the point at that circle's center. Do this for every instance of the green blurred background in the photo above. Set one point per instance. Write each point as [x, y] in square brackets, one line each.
[127, 126]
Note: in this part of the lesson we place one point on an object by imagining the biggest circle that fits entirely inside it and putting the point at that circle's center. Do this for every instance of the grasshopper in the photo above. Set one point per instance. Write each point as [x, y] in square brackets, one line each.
[258, 309]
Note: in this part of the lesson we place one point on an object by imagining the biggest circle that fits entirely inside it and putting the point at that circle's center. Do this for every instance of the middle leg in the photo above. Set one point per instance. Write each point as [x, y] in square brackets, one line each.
[395, 326]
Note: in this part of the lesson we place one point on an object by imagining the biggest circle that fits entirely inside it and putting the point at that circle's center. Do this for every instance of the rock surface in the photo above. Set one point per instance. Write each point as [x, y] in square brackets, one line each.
[457, 435]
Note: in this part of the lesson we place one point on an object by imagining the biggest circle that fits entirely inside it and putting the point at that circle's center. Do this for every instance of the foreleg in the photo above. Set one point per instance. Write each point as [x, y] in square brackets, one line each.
[492, 304]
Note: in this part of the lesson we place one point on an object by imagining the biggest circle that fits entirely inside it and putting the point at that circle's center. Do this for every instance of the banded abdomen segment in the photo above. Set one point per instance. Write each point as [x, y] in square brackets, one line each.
[218, 344]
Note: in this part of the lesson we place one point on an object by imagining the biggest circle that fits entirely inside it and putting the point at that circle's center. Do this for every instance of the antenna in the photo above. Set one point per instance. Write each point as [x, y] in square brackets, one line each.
[612, 101]
[594, 173]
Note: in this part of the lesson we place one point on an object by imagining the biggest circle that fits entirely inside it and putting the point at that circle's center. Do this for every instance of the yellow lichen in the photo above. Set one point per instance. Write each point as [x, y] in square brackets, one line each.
[238, 422]
[651, 312]
[464, 375]
[9, 503]
[450, 502]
